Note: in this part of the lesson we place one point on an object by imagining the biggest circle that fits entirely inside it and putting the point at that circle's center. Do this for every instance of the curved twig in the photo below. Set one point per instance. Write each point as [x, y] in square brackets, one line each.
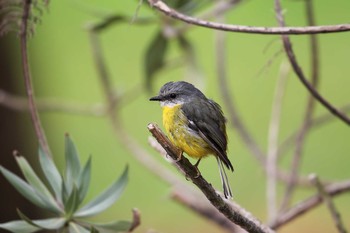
[161, 6]
[28, 80]
[298, 71]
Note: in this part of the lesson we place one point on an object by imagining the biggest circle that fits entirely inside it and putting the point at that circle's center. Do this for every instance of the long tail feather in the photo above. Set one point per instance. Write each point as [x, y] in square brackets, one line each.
[224, 180]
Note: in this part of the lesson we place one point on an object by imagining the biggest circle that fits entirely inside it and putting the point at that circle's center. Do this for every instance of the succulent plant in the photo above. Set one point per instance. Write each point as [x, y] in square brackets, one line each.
[64, 195]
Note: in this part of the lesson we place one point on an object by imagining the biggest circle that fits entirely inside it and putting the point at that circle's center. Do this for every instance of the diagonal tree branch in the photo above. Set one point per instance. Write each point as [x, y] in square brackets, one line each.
[236, 215]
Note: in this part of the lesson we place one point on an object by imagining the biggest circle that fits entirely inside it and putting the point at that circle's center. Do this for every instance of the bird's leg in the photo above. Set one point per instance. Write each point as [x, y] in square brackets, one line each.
[196, 166]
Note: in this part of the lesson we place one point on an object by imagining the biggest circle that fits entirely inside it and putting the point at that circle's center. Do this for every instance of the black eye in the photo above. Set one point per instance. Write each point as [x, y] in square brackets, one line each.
[172, 95]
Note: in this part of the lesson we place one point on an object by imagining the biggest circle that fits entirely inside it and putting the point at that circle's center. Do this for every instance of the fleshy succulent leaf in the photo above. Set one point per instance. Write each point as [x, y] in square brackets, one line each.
[84, 180]
[36, 183]
[19, 226]
[51, 173]
[48, 224]
[106, 198]
[72, 203]
[26, 190]
[76, 228]
[73, 166]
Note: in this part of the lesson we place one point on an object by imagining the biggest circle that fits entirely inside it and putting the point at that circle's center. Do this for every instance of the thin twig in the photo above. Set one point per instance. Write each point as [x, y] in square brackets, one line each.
[51, 105]
[309, 109]
[310, 203]
[28, 80]
[236, 215]
[299, 72]
[163, 7]
[314, 124]
[271, 161]
[199, 204]
[328, 200]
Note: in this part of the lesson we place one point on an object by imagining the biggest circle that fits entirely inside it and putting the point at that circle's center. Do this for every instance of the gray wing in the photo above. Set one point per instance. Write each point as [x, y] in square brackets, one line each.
[208, 121]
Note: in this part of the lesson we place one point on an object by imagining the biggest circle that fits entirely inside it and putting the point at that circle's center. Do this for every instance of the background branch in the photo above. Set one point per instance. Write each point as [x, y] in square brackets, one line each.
[28, 79]
[327, 199]
[300, 74]
[163, 7]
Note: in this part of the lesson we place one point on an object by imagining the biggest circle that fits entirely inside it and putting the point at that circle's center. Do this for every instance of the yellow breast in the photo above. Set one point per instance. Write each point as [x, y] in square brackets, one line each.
[176, 125]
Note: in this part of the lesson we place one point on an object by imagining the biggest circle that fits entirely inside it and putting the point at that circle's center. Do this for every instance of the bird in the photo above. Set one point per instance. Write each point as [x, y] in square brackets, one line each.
[196, 125]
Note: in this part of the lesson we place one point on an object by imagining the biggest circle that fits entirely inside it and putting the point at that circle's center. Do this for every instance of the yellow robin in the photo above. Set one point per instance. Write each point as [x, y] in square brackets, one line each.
[195, 124]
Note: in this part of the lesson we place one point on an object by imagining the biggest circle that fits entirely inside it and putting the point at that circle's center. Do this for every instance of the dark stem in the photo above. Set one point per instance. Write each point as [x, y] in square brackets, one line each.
[309, 109]
[28, 80]
[299, 72]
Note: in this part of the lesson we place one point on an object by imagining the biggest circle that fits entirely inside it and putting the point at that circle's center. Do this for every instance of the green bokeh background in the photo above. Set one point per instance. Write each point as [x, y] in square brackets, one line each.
[63, 69]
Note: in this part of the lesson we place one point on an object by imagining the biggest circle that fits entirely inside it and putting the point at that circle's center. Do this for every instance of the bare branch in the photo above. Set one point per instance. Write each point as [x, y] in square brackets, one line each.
[310, 203]
[298, 71]
[243, 219]
[163, 7]
[271, 161]
[309, 109]
[50, 105]
[328, 200]
[28, 80]
[199, 205]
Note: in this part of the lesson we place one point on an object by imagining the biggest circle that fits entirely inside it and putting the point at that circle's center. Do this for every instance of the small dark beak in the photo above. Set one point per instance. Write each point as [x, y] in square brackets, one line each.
[156, 98]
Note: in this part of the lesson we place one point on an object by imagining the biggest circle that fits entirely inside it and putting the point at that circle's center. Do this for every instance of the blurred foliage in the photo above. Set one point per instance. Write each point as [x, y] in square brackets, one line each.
[64, 196]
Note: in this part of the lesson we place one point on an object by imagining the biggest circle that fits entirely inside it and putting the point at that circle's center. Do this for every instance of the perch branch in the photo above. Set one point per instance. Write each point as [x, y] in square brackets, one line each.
[163, 7]
[328, 200]
[236, 215]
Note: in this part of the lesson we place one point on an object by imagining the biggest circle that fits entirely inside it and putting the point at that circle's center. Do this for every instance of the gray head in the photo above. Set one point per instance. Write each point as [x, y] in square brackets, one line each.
[174, 93]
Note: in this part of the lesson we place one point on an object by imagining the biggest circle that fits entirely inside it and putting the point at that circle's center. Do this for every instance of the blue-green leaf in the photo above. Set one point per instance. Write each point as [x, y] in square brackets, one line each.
[115, 226]
[26, 190]
[106, 198]
[51, 173]
[36, 183]
[84, 180]
[75, 228]
[72, 203]
[49, 224]
[19, 227]
[72, 163]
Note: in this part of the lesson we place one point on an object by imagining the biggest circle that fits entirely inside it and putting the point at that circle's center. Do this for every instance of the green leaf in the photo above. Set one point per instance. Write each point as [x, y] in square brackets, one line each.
[84, 180]
[105, 199]
[72, 203]
[154, 57]
[72, 163]
[51, 173]
[49, 224]
[75, 228]
[119, 225]
[26, 190]
[19, 227]
[36, 183]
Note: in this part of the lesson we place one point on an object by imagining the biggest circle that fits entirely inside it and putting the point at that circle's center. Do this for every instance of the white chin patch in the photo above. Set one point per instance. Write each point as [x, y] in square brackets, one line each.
[169, 104]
